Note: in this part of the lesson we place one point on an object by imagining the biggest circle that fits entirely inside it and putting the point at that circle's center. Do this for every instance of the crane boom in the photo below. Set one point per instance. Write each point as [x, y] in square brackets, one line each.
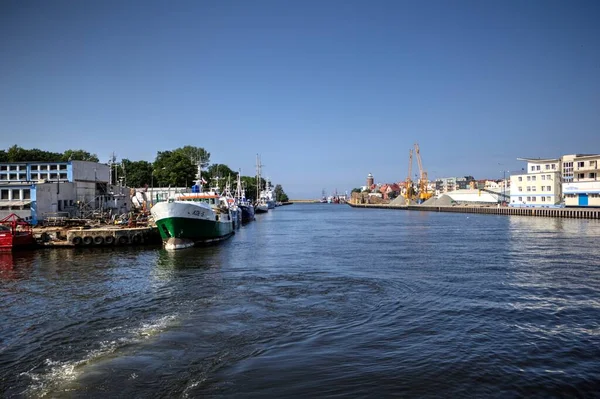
[423, 180]
[422, 172]
[410, 157]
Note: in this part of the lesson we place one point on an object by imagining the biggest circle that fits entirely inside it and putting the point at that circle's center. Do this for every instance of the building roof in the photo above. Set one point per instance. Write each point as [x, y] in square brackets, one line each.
[538, 160]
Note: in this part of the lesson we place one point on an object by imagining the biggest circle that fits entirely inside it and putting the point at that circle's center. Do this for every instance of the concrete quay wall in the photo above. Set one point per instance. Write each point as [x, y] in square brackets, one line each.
[576, 213]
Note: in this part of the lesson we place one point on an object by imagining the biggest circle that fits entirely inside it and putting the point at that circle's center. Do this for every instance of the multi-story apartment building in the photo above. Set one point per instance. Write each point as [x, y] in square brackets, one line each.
[581, 183]
[449, 184]
[540, 186]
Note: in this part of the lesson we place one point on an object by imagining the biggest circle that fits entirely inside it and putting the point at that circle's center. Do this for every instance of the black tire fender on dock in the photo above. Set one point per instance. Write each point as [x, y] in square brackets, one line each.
[76, 240]
[87, 240]
[98, 240]
[123, 240]
[136, 239]
[109, 240]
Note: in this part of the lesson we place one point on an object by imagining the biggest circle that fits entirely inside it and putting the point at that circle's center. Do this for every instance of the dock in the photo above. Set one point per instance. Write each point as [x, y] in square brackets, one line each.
[574, 213]
[97, 237]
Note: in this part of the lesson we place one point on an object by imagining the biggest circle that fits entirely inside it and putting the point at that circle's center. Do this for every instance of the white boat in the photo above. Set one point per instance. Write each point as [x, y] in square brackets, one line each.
[193, 218]
[261, 205]
[268, 196]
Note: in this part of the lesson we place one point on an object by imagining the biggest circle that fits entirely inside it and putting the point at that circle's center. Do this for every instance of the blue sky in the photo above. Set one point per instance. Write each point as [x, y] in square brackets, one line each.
[325, 91]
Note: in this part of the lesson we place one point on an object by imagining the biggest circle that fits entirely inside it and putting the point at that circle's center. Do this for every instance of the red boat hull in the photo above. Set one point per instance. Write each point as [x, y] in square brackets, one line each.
[10, 242]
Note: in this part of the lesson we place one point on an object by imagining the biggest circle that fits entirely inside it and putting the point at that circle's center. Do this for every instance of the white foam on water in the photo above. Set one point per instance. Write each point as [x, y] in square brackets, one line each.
[59, 374]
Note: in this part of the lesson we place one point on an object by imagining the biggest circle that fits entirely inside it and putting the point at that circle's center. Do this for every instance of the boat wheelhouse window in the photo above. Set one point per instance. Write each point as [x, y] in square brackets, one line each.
[4, 194]
[63, 167]
[16, 194]
[13, 167]
[3, 176]
[3, 167]
[12, 176]
[34, 167]
[22, 176]
[53, 167]
[63, 176]
[26, 193]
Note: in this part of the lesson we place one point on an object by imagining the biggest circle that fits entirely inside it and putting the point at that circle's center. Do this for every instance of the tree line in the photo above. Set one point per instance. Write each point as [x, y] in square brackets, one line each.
[173, 168]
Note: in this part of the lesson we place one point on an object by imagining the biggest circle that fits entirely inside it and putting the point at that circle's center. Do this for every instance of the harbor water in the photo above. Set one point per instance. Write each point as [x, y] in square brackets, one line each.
[314, 300]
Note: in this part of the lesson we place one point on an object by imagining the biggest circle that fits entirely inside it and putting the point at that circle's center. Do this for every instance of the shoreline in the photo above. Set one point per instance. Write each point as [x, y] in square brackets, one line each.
[573, 213]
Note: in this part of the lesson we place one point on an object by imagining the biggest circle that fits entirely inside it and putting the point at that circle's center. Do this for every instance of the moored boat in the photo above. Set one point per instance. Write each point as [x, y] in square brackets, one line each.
[15, 233]
[261, 206]
[245, 205]
[193, 218]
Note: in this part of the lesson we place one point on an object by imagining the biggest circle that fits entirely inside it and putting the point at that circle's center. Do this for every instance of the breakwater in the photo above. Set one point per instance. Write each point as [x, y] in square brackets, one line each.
[576, 213]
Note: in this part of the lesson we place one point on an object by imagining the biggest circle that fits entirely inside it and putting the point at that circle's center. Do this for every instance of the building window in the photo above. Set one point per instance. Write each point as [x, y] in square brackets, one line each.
[12, 176]
[532, 188]
[537, 167]
[3, 167]
[13, 167]
[548, 199]
[528, 188]
[553, 166]
[63, 166]
[543, 199]
[543, 188]
[543, 177]
[520, 178]
[580, 175]
[63, 176]
[528, 199]
[53, 176]
[532, 178]
[43, 167]
[580, 164]
[22, 176]
[528, 178]
[547, 166]
[4, 194]
[520, 199]
[520, 188]
[16, 194]
[532, 199]
[26, 193]
[34, 167]
[548, 177]
[532, 168]
[54, 167]
[592, 175]
[3, 176]
[548, 188]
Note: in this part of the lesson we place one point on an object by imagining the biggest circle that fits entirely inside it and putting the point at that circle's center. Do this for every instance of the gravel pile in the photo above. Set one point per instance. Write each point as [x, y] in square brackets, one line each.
[444, 200]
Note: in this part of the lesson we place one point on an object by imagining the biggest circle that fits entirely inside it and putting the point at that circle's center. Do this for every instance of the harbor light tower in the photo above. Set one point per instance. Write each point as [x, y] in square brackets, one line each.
[370, 181]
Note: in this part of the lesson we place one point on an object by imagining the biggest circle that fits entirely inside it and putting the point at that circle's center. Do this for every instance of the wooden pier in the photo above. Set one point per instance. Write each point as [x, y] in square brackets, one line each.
[575, 213]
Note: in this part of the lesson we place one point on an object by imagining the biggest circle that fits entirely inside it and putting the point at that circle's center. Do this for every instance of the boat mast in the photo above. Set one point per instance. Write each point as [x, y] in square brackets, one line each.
[258, 181]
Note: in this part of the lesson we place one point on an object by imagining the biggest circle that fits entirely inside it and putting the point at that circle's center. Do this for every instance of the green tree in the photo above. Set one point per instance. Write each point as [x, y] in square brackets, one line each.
[219, 172]
[137, 173]
[3, 156]
[356, 190]
[78, 155]
[18, 154]
[173, 168]
[280, 195]
[249, 184]
[195, 154]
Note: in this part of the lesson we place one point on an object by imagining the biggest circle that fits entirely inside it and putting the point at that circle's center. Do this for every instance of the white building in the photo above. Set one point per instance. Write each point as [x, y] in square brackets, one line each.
[540, 186]
[37, 190]
[581, 185]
